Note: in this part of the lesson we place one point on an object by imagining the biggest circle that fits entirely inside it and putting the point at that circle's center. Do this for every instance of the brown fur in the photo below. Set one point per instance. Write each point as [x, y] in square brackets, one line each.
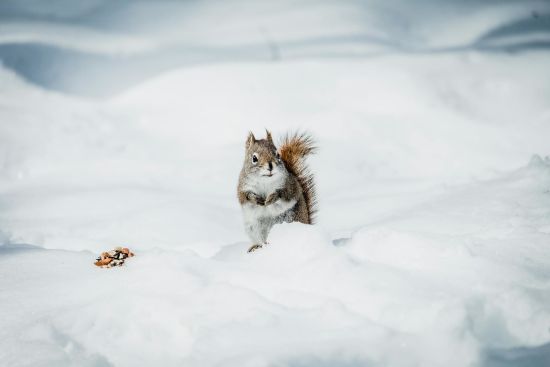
[294, 149]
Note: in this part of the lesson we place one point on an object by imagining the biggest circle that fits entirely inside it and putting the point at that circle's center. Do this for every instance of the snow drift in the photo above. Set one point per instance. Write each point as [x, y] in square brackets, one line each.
[432, 244]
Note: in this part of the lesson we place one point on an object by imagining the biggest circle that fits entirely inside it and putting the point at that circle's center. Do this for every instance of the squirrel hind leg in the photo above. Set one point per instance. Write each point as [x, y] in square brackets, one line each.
[302, 213]
[258, 234]
[258, 229]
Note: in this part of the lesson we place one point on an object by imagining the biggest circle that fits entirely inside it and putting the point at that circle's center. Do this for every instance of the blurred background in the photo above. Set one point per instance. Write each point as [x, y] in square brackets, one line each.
[102, 48]
[123, 121]
[112, 110]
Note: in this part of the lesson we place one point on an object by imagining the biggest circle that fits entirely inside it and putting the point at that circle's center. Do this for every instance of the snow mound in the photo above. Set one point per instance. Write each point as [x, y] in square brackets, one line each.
[385, 295]
[431, 246]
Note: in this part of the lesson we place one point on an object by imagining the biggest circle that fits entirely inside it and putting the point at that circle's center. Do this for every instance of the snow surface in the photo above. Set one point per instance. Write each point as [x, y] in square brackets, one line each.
[432, 245]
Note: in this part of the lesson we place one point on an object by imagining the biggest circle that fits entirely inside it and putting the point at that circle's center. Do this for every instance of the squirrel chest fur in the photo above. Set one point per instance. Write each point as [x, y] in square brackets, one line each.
[275, 186]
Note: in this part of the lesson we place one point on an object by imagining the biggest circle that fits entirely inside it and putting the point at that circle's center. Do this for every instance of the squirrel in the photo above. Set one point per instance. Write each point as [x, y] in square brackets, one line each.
[276, 186]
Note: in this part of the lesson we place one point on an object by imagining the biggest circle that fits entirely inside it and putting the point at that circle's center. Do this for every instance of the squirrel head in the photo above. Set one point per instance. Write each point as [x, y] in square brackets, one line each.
[261, 157]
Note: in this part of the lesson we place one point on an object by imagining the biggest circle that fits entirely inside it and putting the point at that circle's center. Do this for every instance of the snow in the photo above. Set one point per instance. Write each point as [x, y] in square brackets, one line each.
[431, 246]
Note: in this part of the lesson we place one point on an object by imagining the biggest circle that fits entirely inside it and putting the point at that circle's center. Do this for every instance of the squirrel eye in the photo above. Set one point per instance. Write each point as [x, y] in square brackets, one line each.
[254, 158]
[278, 155]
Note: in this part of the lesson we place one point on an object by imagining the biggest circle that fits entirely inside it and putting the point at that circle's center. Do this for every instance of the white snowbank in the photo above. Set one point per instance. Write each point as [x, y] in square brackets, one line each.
[387, 295]
[431, 246]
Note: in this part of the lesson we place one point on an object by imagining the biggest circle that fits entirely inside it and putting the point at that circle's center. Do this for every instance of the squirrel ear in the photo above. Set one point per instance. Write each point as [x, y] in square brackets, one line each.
[268, 136]
[250, 140]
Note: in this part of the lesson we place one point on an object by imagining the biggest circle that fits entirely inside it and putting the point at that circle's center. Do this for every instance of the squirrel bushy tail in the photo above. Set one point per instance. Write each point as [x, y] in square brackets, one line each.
[294, 148]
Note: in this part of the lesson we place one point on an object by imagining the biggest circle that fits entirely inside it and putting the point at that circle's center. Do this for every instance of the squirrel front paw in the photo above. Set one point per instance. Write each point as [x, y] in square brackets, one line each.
[255, 199]
[273, 197]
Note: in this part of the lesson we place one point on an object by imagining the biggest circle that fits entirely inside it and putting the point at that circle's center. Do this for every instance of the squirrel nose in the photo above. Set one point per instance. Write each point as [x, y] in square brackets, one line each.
[270, 166]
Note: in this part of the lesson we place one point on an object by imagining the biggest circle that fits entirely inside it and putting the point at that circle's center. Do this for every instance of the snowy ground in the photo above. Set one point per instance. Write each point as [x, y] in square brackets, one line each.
[432, 245]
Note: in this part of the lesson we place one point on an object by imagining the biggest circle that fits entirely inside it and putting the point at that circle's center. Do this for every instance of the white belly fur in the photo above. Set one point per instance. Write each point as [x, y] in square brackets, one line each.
[259, 219]
[263, 186]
